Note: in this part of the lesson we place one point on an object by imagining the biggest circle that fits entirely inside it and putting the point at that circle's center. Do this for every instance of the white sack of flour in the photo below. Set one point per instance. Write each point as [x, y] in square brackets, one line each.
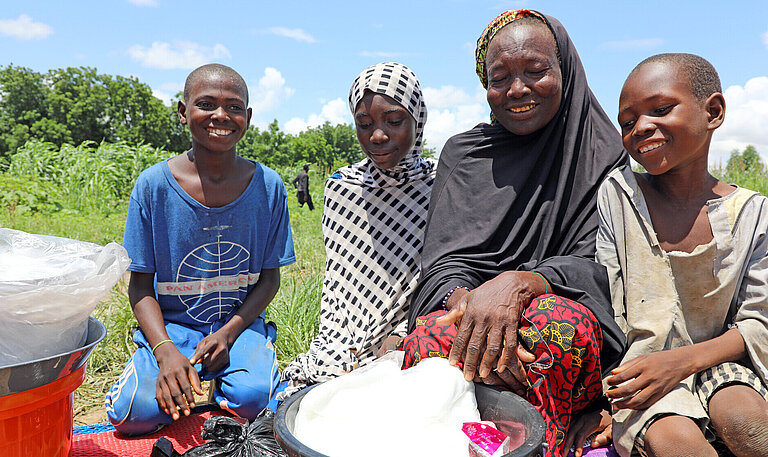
[381, 410]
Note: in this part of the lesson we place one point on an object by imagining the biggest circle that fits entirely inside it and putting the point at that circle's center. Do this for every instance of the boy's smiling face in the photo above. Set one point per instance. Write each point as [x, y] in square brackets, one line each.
[216, 112]
[663, 125]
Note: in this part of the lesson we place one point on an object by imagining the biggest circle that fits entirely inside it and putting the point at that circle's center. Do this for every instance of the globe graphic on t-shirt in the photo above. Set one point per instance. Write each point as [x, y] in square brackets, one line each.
[208, 264]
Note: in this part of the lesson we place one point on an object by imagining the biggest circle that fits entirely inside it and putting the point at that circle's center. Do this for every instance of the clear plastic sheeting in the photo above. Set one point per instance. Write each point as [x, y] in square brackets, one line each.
[381, 410]
[48, 288]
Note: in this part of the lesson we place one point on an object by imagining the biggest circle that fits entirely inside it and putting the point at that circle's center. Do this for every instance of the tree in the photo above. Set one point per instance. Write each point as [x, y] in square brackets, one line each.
[179, 139]
[271, 147]
[136, 116]
[24, 111]
[748, 161]
[310, 146]
[73, 105]
[344, 145]
[277, 145]
[428, 152]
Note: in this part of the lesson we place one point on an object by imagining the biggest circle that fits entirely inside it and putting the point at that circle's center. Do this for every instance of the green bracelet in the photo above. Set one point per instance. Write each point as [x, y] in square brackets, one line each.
[546, 288]
[158, 345]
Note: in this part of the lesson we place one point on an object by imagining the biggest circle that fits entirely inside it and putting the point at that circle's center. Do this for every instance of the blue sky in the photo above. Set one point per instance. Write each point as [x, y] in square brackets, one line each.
[300, 57]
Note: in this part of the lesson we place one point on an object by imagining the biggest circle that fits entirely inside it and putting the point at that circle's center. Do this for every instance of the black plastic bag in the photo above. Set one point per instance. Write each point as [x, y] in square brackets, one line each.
[231, 439]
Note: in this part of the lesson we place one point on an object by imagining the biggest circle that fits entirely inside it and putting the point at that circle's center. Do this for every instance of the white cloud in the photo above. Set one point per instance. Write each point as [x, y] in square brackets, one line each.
[24, 28]
[167, 92]
[643, 44]
[172, 86]
[746, 118]
[294, 34]
[269, 92]
[143, 2]
[765, 39]
[335, 111]
[166, 97]
[451, 110]
[446, 96]
[180, 54]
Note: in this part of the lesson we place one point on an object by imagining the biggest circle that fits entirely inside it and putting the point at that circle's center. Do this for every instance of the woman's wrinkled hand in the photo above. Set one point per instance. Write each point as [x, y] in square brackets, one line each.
[176, 381]
[585, 425]
[646, 379]
[488, 318]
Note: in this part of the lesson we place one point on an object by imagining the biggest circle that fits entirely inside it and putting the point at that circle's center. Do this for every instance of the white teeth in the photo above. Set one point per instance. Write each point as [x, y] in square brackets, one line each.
[651, 147]
[521, 109]
[220, 132]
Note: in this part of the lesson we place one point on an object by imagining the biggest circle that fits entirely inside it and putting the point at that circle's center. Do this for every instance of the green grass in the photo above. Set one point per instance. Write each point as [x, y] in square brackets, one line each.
[756, 181]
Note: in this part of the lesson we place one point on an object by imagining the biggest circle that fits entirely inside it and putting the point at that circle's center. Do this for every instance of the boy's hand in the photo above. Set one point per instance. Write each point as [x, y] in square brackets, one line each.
[648, 378]
[585, 425]
[212, 351]
[175, 382]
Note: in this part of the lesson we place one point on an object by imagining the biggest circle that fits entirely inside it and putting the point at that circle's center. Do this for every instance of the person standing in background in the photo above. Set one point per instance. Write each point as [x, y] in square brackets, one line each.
[301, 183]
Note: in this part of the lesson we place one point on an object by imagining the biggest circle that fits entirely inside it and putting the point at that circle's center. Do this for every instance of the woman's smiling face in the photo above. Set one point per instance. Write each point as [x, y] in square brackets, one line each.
[525, 84]
[386, 131]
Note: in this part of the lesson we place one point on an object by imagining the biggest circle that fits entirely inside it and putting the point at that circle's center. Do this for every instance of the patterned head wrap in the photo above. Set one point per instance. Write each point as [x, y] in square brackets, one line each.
[399, 83]
[485, 38]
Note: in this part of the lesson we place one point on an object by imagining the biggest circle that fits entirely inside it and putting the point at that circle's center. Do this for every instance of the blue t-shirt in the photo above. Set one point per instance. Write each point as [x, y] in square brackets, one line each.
[206, 260]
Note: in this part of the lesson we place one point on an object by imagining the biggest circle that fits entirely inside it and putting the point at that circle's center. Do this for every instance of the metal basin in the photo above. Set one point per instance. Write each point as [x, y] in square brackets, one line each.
[509, 411]
[29, 375]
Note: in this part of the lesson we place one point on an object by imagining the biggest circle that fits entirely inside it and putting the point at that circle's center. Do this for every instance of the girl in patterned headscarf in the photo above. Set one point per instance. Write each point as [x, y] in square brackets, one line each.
[373, 223]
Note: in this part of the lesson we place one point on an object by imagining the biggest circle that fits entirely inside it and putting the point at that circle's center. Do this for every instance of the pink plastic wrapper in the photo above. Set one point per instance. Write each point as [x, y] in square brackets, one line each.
[485, 440]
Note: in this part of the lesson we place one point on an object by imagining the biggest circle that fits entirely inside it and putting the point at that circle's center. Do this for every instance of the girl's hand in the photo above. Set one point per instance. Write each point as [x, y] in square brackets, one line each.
[643, 381]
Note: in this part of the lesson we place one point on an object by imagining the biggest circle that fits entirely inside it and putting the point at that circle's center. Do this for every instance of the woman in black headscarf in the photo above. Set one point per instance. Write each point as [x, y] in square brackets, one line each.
[510, 240]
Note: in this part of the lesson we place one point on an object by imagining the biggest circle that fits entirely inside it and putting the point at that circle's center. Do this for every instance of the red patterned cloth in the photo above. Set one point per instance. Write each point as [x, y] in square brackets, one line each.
[566, 339]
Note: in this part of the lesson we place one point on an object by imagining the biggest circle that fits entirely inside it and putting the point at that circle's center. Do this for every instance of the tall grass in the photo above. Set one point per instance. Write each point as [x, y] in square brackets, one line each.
[751, 179]
[91, 176]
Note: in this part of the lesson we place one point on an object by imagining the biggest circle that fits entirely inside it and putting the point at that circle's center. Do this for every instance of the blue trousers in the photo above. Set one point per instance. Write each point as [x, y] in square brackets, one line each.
[244, 387]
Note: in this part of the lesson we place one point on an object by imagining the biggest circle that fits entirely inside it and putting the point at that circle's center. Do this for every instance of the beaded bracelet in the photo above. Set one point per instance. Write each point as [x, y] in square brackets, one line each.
[546, 287]
[450, 292]
[158, 345]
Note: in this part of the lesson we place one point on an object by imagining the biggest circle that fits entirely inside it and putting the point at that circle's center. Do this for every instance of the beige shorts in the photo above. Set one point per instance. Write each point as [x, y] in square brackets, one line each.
[708, 382]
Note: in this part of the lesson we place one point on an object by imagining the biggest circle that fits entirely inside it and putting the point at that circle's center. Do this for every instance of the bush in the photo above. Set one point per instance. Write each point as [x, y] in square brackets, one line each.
[25, 193]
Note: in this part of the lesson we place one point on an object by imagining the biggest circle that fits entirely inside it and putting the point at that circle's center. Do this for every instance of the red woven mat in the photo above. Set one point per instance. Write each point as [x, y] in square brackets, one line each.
[184, 434]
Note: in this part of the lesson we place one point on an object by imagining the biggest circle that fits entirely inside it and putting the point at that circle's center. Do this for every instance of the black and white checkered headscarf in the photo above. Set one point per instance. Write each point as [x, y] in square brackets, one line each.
[373, 229]
[399, 83]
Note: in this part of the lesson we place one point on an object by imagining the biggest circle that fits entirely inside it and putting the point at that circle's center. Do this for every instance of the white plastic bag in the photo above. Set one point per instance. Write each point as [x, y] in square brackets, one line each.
[48, 288]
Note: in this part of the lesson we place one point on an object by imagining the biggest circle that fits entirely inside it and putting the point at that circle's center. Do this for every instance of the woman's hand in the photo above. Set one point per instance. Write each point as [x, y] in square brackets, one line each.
[212, 351]
[176, 381]
[585, 425]
[648, 378]
[489, 317]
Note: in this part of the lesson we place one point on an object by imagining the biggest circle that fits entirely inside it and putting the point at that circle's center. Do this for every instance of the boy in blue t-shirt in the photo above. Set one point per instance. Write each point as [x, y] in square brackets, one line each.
[207, 232]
